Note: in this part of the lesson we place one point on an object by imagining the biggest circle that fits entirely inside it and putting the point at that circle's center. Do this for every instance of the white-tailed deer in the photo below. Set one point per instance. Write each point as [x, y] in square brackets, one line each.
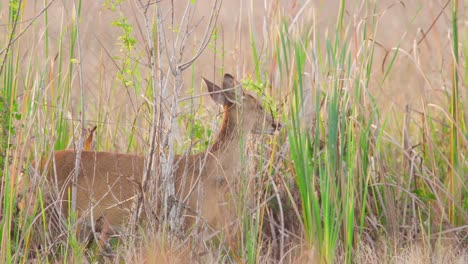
[109, 182]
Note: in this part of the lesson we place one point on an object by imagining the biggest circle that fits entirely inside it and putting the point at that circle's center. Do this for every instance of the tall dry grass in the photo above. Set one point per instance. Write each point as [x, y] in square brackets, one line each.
[370, 167]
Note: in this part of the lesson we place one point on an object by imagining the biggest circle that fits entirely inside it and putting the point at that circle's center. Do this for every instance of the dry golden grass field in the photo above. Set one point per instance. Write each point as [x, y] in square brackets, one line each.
[370, 164]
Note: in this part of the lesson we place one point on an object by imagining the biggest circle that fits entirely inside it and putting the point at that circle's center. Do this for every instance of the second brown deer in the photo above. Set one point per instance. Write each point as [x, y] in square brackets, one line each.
[109, 182]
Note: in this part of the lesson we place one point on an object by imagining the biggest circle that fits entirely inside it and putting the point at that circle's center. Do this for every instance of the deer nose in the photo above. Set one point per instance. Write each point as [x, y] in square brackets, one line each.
[277, 126]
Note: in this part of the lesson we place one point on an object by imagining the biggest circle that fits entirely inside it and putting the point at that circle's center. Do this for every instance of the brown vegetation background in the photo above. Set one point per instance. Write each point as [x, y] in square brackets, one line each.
[421, 72]
[417, 25]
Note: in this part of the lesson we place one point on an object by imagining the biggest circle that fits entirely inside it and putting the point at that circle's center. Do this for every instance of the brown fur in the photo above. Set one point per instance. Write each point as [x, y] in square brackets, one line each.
[109, 182]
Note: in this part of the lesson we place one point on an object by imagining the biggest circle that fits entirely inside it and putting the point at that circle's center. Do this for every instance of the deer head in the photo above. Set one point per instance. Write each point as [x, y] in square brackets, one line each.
[242, 110]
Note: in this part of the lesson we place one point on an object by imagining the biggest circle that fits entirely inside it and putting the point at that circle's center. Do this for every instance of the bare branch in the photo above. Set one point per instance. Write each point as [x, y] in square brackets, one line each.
[83, 110]
[207, 37]
[31, 21]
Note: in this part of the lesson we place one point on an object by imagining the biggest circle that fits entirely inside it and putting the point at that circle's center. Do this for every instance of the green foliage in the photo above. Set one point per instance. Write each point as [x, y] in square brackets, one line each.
[259, 88]
[8, 116]
[4, 123]
[424, 195]
[198, 133]
[112, 4]
[127, 41]
[214, 39]
[344, 161]
[252, 240]
[128, 66]
[454, 184]
[14, 9]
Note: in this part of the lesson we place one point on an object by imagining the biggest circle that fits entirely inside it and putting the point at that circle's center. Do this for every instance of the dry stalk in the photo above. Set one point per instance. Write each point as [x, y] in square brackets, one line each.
[81, 140]
[160, 159]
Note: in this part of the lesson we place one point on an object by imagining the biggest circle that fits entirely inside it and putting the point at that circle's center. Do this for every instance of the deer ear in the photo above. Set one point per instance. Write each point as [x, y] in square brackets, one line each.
[232, 93]
[215, 92]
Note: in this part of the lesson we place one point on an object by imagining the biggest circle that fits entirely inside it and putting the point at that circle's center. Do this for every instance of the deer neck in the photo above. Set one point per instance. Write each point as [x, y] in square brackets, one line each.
[230, 137]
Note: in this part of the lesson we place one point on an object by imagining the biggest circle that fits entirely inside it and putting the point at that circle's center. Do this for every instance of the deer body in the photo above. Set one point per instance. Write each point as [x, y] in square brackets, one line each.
[109, 182]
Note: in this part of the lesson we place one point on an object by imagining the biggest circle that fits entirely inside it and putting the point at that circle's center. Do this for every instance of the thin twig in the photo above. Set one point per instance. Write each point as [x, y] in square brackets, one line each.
[83, 109]
[12, 33]
[206, 40]
[31, 21]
